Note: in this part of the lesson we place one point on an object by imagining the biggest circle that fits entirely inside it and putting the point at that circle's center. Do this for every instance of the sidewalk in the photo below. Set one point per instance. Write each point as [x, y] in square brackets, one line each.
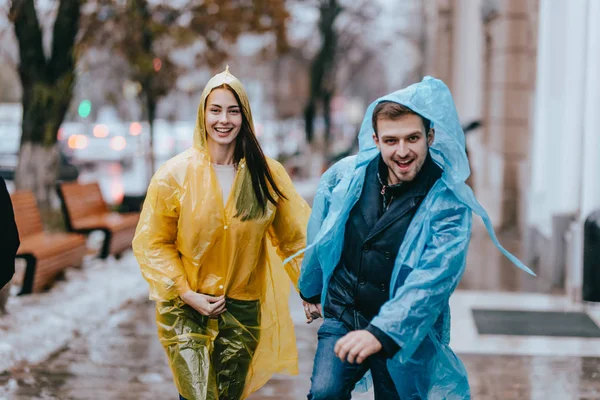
[38, 325]
[113, 352]
[87, 307]
[121, 357]
[41, 324]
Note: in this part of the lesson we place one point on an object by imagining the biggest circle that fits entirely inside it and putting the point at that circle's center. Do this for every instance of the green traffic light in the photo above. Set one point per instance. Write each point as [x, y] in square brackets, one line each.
[85, 108]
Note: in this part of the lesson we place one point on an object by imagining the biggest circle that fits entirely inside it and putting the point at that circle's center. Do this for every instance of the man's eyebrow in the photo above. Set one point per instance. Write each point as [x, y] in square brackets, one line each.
[405, 135]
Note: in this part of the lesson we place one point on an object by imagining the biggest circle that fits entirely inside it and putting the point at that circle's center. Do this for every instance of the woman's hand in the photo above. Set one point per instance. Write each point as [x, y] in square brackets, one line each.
[204, 304]
[312, 311]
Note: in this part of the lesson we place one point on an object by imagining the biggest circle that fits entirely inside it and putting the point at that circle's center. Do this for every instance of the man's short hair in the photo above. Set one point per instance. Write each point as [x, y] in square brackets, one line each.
[394, 111]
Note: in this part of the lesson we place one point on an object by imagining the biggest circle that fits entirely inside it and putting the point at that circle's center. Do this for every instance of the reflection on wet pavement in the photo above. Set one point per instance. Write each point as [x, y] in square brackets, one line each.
[121, 360]
[124, 360]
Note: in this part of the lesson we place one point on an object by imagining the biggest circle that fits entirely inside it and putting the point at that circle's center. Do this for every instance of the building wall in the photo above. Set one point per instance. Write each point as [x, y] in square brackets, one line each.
[565, 156]
[439, 29]
[509, 82]
[485, 51]
[529, 69]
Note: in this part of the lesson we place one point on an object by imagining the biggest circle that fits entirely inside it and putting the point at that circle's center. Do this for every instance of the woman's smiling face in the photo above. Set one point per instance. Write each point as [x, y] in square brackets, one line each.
[223, 117]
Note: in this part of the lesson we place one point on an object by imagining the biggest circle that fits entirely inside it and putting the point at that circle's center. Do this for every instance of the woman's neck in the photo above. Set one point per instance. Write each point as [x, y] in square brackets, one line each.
[221, 154]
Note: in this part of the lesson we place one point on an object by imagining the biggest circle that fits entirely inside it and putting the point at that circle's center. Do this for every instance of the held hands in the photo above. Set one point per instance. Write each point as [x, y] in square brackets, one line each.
[357, 346]
[204, 304]
[312, 311]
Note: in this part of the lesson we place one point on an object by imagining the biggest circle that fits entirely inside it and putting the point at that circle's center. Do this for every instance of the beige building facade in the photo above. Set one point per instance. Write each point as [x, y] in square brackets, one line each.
[486, 52]
[525, 70]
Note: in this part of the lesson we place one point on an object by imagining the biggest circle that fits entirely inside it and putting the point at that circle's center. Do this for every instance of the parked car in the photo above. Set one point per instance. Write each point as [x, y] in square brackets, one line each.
[66, 170]
[10, 140]
[105, 143]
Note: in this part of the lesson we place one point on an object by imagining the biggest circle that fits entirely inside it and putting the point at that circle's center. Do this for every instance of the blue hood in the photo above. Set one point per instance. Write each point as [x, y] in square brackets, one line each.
[432, 99]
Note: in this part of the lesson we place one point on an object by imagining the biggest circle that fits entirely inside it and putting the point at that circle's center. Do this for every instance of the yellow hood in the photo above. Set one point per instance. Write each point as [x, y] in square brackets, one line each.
[223, 78]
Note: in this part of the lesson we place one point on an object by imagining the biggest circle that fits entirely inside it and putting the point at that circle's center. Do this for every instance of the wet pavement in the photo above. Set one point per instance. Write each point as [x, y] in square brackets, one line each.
[123, 359]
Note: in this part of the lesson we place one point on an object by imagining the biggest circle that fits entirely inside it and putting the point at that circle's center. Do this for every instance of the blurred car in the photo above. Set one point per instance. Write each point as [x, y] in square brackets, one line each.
[105, 143]
[66, 170]
[10, 142]
[10, 138]
[170, 138]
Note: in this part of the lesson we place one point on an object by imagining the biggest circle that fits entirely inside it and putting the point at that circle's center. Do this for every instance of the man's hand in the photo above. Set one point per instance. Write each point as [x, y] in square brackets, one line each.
[356, 346]
[312, 311]
[204, 304]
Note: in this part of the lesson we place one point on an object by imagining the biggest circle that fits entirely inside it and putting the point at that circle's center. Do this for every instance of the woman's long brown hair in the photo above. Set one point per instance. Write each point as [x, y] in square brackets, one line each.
[248, 147]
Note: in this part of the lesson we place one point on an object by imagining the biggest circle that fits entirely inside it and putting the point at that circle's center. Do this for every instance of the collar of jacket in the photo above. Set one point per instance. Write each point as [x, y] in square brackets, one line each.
[419, 186]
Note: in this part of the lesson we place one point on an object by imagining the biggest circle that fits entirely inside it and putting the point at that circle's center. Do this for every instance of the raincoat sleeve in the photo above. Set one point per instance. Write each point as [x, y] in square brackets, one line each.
[288, 229]
[311, 277]
[409, 316]
[155, 238]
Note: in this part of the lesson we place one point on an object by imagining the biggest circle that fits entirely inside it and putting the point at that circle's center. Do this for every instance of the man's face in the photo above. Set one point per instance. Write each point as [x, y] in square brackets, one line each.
[404, 145]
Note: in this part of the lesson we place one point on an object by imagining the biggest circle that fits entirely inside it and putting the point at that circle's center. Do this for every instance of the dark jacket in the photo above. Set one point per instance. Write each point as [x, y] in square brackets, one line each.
[359, 285]
[9, 236]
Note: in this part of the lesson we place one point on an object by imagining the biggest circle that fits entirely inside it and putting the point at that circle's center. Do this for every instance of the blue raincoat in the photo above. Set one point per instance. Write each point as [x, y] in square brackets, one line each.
[432, 257]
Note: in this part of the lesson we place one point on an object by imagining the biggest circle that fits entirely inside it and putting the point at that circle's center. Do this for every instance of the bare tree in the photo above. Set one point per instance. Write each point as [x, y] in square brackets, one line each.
[47, 91]
[146, 34]
[343, 51]
[322, 69]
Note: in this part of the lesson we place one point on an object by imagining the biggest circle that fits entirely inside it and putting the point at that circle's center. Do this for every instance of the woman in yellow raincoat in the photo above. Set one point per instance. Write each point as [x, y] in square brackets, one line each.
[217, 220]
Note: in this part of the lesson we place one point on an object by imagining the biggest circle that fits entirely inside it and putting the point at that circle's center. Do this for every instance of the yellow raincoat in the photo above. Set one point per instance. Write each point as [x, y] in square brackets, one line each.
[186, 239]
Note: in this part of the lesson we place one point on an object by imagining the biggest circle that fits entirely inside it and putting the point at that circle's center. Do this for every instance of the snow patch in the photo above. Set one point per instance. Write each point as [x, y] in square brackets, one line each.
[38, 325]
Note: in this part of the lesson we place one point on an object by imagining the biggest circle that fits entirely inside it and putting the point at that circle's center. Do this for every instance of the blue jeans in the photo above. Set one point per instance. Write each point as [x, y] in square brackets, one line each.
[333, 379]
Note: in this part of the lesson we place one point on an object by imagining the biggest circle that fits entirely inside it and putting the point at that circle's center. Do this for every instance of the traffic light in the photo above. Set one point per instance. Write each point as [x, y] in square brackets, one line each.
[85, 108]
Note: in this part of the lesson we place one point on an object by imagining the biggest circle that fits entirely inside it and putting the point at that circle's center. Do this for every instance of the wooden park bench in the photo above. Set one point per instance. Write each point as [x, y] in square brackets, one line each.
[85, 211]
[47, 255]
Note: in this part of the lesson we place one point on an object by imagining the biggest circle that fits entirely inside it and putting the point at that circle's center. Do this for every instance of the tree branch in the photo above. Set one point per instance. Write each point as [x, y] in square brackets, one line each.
[29, 35]
[63, 41]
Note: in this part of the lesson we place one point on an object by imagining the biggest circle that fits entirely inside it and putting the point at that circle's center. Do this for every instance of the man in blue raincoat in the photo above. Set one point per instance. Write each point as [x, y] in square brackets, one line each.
[388, 240]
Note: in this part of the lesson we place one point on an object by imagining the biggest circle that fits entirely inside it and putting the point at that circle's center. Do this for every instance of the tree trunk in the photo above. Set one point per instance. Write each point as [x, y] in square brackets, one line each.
[151, 109]
[327, 96]
[47, 92]
[322, 78]
[309, 118]
[323, 62]
[44, 107]
[37, 171]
